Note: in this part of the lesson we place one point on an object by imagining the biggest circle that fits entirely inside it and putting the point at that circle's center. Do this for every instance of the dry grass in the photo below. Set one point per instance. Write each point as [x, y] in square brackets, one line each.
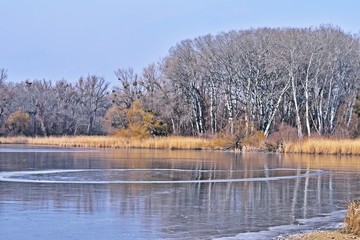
[322, 235]
[310, 146]
[352, 218]
[13, 140]
[324, 146]
[174, 142]
[351, 229]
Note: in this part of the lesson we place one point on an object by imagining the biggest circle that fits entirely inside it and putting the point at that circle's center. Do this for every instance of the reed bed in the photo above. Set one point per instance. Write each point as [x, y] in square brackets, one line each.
[308, 146]
[324, 146]
[173, 142]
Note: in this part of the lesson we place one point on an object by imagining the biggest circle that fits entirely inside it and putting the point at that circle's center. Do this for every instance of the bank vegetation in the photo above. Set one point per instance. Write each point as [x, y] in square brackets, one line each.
[169, 143]
[260, 88]
[324, 146]
[351, 229]
[321, 146]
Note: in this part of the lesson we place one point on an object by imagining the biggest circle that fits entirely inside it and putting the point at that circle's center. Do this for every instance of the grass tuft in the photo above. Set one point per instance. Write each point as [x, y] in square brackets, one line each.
[352, 218]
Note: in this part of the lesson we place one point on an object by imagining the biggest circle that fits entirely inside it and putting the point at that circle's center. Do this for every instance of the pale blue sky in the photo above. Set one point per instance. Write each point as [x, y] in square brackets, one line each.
[55, 39]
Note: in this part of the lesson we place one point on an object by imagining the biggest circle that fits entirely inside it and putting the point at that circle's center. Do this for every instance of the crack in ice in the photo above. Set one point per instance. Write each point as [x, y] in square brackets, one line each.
[23, 176]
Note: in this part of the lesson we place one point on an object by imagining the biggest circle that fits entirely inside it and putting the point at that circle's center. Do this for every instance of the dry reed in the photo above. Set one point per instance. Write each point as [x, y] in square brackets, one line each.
[173, 142]
[310, 146]
[352, 218]
[324, 146]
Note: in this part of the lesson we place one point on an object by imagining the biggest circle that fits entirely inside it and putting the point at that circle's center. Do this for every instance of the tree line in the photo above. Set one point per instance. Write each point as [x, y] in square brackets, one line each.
[43, 108]
[237, 83]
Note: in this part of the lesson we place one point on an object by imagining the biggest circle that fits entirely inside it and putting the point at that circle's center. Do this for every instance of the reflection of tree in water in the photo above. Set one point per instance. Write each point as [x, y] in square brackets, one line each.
[196, 209]
[77, 198]
[180, 210]
[230, 207]
[22, 161]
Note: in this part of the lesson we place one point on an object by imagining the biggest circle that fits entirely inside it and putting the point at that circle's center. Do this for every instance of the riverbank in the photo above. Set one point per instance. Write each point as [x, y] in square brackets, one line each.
[323, 235]
[318, 146]
[173, 142]
[323, 146]
[351, 229]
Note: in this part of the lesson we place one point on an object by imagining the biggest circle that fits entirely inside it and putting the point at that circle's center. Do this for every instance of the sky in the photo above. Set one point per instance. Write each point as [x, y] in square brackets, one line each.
[67, 39]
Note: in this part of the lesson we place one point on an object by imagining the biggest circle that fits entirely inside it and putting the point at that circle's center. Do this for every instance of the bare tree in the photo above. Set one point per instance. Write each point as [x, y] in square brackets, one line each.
[93, 92]
[68, 115]
[305, 78]
[248, 80]
[4, 98]
[130, 88]
[182, 70]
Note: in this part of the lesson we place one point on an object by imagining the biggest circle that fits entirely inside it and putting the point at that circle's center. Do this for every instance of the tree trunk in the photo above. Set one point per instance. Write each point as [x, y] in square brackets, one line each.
[230, 113]
[40, 117]
[89, 128]
[267, 129]
[307, 121]
[297, 117]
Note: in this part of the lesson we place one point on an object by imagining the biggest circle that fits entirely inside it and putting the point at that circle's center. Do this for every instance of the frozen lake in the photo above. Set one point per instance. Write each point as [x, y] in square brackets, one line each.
[72, 193]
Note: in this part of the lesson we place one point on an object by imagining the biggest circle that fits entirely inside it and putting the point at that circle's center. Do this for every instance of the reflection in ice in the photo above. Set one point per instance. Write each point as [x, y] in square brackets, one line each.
[143, 176]
[208, 195]
[36, 149]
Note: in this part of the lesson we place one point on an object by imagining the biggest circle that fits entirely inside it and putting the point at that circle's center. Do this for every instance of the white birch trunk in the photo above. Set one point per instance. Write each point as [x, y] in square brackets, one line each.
[297, 115]
[307, 121]
[267, 129]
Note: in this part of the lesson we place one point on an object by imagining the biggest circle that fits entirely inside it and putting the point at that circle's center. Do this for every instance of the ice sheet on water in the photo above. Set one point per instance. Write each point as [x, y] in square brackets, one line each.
[333, 220]
[132, 176]
[43, 150]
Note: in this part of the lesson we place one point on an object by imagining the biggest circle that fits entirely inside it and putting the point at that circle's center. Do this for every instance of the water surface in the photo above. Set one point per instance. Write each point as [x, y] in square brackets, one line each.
[73, 193]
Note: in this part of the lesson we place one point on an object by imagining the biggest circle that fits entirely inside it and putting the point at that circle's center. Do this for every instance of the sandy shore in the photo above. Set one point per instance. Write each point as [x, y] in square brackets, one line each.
[322, 235]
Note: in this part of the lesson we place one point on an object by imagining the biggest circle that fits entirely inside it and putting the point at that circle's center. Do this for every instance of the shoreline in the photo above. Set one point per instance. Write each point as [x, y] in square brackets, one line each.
[322, 235]
[171, 143]
[168, 143]
[324, 146]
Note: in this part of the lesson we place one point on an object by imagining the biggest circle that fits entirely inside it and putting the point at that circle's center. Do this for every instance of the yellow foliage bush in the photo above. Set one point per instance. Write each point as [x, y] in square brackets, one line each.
[134, 122]
[18, 123]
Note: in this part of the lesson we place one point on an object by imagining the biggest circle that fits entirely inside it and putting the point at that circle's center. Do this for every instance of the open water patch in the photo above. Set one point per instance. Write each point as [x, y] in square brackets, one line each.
[151, 176]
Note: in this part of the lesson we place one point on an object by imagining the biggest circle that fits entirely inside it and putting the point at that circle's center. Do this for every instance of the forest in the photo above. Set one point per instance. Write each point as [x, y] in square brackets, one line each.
[299, 81]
